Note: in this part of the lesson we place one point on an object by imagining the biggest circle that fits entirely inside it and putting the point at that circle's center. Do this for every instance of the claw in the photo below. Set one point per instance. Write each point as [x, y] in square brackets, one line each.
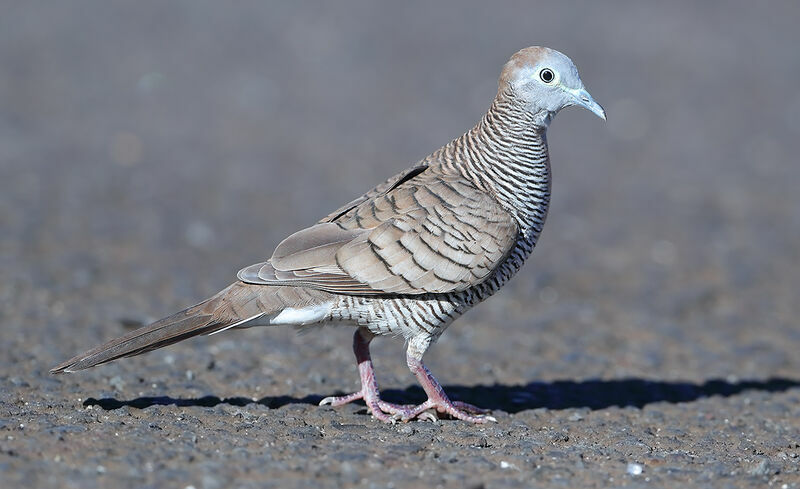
[428, 416]
[340, 400]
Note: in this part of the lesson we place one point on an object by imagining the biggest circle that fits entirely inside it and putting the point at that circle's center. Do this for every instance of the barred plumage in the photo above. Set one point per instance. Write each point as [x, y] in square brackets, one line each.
[410, 256]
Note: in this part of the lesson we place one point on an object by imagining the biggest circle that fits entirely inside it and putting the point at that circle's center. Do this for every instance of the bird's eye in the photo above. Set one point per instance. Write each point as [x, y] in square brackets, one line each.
[547, 75]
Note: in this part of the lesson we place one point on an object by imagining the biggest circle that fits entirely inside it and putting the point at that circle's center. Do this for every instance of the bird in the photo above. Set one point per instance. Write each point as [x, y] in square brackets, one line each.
[409, 256]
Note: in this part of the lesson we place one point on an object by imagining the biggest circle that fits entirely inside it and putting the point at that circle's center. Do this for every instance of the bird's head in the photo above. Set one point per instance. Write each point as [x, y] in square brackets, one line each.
[544, 81]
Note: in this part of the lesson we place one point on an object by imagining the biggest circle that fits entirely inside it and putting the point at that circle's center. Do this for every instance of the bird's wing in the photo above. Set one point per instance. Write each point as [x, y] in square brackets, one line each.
[422, 233]
[383, 188]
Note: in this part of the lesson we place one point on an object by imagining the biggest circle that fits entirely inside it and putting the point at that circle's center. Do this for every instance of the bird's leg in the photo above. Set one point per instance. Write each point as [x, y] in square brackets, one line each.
[388, 412]
[369, 386]
[437, 399]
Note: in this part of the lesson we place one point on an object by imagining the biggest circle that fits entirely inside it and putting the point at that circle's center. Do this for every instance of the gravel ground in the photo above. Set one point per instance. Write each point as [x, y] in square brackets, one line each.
[150, 150]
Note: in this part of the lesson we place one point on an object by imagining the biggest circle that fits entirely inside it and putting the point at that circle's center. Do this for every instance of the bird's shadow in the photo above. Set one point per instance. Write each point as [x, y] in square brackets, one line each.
[592, 394]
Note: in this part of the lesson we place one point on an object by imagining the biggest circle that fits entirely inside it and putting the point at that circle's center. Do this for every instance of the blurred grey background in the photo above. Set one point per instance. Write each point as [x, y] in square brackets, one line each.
[148, 150]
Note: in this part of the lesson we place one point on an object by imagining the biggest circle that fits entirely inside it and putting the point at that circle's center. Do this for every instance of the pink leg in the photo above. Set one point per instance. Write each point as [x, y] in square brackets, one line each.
[388, 412]
[383, 411]
[437, 399]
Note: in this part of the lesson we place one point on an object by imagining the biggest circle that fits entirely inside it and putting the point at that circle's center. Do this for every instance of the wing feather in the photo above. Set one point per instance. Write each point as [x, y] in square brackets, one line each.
[421, 232]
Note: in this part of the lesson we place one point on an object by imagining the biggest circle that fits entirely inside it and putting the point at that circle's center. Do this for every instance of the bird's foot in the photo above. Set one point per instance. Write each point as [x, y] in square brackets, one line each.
[428, 409]
[380, 409]
[391, 413]
[437, 399]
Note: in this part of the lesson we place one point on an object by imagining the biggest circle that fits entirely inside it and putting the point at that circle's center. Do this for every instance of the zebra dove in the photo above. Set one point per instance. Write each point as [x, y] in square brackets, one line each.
[409, 256]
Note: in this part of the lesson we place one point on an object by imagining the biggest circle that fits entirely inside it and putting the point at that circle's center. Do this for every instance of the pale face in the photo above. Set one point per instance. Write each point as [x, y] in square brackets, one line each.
[545, 81]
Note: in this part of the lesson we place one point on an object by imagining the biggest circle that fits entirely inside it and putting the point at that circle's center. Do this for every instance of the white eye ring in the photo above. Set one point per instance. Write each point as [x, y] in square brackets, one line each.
[547, 75]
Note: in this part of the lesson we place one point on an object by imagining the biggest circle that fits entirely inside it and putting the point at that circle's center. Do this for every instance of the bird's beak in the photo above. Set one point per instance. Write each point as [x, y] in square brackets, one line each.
[583, 99]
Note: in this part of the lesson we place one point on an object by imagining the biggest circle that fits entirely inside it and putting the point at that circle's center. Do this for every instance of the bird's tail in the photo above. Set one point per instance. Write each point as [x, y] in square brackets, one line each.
[233, 306]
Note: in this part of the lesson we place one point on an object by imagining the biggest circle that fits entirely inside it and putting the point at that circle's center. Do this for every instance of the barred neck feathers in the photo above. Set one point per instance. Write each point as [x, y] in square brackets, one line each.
[506, 155]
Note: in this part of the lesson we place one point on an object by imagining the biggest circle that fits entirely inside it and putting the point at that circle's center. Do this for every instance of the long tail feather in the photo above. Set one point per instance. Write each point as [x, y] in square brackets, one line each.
[197, 320]
[235, 306]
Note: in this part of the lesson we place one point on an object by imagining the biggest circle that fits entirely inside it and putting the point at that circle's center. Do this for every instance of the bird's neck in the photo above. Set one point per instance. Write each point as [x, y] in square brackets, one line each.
[506, 154]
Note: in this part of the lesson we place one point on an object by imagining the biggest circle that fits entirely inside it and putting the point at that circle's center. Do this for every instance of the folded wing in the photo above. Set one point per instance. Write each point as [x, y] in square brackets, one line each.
[422, 234]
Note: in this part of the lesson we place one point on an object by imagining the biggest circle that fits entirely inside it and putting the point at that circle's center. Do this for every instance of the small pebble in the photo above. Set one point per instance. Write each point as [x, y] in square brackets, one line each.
[634, 469]
[761, 467]
[116, 383]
